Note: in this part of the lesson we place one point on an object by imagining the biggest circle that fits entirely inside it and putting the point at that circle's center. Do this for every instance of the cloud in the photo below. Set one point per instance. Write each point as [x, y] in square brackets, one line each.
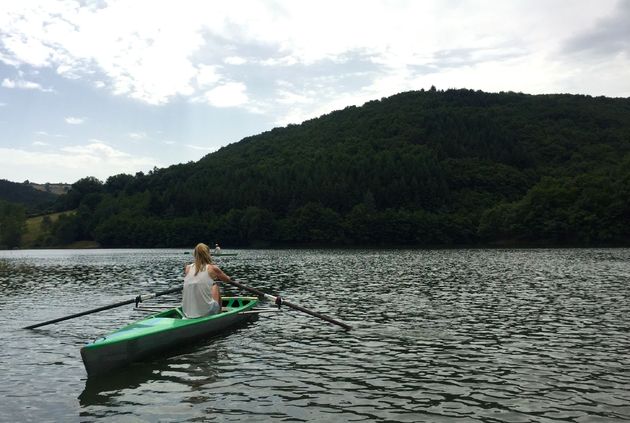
[280, 61]
[610, 35]
[201, 148]
[96, 148]
[453, 58]
[46, 134]
[228, 55]
[235, 60]
[291, 98]
[72, 120]
[145, 56]
[207, 75]
[230, 94]
[71, 163]
[138, 135]
[23, 84]
[40, 143]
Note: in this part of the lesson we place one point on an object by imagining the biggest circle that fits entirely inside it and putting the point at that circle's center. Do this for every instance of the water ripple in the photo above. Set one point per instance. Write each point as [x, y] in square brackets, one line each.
[439, 335]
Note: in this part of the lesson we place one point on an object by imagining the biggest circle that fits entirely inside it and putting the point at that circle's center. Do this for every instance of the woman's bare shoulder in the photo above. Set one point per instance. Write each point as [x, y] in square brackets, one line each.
[213, 268]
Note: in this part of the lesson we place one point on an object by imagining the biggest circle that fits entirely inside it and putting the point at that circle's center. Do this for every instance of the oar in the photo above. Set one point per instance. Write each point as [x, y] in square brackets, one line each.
[136, 300]
[280, 301]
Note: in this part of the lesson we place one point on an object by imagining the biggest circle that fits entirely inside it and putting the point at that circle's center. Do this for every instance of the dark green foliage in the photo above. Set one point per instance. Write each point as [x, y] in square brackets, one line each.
[83, 187]
[311, 223]
[586, 209]
[454, 167]
[34, 200]
[67, 229]
[12, 224]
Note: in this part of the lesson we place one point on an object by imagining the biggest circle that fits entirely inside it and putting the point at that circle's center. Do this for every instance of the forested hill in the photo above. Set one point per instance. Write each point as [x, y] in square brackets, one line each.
[436, 168]
[26, 195]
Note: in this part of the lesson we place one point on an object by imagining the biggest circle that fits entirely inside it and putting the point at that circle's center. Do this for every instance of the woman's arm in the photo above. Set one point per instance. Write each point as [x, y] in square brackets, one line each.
[216, 273]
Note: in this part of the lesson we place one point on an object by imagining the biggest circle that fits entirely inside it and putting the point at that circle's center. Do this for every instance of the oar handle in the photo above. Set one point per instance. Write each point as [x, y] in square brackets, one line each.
[280, 301]
[143, 297]
[137, 299]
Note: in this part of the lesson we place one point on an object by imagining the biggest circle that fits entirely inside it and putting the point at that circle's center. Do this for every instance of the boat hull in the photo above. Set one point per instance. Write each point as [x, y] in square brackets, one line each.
[159, 333]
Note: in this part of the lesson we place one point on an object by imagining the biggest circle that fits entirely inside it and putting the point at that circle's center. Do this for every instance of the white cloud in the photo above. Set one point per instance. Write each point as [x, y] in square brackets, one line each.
[23, 84]
[96, 148]
[146, 56]
[281, 61]
[72, 120]
[289, 97]
[138, 135]
[235, 60]
[40, 143]
[181, 50]
[46, 134]
[207, 75]
[70, 163]
[201, 148]
[231, 94]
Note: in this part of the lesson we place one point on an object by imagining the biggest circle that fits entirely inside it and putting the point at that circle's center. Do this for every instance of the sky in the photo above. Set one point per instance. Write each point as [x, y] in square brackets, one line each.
[99, 88]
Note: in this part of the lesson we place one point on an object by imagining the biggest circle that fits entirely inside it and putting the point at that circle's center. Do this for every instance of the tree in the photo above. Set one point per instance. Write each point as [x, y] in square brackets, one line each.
[12, 224]
[80, 189]
[429, 167]
[66, 229]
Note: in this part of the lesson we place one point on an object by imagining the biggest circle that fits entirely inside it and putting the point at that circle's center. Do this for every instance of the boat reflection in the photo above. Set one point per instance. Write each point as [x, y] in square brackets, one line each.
[190, 365]
[188, 370]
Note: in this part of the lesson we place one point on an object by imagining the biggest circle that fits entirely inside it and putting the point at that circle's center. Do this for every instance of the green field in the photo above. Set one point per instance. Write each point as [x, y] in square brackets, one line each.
[36, 233]
[35, 229]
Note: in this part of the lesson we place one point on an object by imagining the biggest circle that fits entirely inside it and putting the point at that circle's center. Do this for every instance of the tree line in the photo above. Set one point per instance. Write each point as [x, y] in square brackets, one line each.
[12, 224]
[422, 168]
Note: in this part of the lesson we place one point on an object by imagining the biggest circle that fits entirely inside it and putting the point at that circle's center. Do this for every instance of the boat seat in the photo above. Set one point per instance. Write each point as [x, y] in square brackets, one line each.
[175, 313]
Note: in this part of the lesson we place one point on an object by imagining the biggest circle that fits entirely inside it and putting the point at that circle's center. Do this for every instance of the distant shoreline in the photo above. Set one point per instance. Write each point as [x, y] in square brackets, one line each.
[93, 245]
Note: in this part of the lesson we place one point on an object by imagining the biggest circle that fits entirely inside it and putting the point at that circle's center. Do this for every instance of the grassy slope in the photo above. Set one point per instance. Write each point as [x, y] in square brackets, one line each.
[35, 231]
[56, 189]
[34, 228]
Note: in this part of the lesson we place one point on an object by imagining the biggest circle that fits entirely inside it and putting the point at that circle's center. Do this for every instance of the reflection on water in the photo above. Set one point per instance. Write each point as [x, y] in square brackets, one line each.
[477, 335]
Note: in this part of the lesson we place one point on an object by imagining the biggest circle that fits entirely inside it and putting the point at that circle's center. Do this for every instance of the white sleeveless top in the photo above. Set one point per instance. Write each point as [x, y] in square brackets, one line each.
[197, 298]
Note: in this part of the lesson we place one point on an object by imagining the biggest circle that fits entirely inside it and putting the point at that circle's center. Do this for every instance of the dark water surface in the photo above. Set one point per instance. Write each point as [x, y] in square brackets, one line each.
[446, 335]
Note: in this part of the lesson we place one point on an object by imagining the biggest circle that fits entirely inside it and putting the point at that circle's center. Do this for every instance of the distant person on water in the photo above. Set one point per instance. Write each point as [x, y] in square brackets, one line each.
[201, 296]
[217, 249]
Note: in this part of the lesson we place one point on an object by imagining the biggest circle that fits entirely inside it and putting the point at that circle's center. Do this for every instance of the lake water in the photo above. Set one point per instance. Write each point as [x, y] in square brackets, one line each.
[439, 335]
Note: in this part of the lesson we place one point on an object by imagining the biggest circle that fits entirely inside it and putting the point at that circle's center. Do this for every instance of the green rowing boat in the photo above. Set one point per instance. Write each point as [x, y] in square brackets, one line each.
[160, 332]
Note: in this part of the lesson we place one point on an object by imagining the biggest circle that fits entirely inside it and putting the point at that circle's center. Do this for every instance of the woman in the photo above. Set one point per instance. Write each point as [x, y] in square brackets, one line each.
[201, 295]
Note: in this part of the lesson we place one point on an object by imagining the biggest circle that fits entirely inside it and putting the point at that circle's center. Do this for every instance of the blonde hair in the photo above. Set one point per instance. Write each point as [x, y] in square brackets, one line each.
[202, 256]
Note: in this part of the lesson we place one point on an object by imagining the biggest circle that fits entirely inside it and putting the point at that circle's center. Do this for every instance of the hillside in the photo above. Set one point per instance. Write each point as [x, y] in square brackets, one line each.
[454, 167]
[24, 193]
[56, 189]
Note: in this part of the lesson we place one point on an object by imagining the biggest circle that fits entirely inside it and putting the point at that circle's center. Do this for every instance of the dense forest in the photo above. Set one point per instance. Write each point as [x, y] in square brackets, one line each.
[34, 200]
[422, 168]
[17, 201]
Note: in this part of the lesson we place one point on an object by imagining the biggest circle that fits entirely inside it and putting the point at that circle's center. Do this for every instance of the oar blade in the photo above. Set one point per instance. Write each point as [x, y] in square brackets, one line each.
[137, 299]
